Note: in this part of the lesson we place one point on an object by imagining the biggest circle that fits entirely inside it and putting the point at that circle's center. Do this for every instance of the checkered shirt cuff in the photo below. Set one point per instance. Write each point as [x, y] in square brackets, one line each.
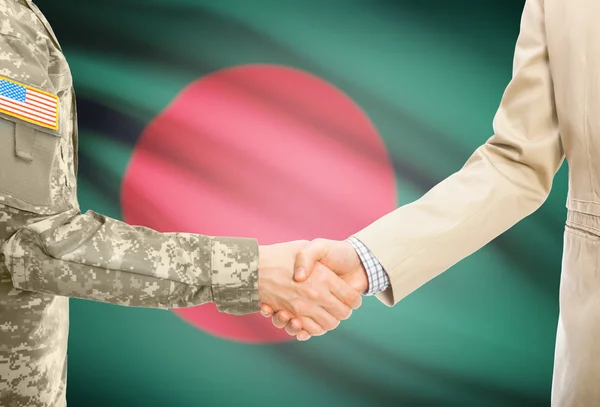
[378, 278]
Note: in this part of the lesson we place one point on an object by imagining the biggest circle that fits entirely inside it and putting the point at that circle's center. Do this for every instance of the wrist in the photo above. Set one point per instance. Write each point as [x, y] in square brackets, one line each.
[362, 279]
[359, 276]
[262, 256]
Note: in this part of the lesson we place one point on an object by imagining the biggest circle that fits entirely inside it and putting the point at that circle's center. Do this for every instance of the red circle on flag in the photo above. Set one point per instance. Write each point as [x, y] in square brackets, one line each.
[259, 151]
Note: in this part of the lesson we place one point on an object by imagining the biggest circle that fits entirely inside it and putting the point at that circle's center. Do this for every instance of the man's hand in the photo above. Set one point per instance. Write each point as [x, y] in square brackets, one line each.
[338, 256]
[318, 303]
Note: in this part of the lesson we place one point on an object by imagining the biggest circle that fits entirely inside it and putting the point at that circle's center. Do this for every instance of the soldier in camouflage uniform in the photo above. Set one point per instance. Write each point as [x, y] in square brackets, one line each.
[51, 251]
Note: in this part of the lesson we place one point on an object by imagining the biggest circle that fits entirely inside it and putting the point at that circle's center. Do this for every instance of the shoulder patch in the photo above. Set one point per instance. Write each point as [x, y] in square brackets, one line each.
[29, 104]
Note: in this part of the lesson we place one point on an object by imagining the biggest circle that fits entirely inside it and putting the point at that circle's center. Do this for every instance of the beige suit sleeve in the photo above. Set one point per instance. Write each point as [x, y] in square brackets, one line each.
[505, 180]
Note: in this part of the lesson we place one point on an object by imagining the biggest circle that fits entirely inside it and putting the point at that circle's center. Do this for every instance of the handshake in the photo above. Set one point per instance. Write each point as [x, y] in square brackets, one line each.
[309, 287]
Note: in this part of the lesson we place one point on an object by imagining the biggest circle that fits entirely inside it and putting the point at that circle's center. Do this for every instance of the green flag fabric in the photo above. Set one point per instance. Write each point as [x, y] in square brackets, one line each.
[293, 120]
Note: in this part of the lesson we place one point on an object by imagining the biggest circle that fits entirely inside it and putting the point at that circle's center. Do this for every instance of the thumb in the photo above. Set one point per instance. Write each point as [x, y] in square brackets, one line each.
[307, 257]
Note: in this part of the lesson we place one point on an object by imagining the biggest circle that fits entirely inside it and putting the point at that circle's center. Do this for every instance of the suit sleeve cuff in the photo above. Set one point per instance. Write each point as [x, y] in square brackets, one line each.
[378, 278]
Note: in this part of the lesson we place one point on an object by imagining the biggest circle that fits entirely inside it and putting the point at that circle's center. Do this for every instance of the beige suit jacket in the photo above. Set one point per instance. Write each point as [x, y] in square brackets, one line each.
[550, 109]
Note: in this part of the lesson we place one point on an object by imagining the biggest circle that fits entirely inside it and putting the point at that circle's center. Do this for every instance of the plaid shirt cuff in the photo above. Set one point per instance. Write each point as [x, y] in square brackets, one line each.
[378, 278]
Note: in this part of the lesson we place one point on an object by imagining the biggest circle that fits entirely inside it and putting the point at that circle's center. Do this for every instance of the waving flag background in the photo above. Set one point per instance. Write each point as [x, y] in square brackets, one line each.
[291, 120]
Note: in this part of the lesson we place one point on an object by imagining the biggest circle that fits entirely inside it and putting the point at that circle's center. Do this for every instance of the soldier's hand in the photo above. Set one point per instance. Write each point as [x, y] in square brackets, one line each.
[318, 304]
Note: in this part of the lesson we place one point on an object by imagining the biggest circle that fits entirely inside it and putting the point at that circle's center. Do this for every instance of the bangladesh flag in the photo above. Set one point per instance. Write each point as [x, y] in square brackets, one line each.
[293, 120]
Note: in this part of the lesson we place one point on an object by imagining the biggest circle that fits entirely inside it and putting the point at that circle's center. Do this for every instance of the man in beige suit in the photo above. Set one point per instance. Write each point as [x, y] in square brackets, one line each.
[550, 109]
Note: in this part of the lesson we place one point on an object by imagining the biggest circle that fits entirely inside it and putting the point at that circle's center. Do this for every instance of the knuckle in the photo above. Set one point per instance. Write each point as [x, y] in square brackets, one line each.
[350, 297]
[298, 306]
[303, 254]
[322, 278]
[296, 325]
[313, 294]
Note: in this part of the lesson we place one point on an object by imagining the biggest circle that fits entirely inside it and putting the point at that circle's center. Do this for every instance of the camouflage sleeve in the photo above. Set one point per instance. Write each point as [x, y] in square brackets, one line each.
[51, 246]
[94, 257]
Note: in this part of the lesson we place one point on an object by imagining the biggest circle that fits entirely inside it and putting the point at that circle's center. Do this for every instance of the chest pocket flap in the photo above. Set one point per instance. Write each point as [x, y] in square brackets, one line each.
[29, 148]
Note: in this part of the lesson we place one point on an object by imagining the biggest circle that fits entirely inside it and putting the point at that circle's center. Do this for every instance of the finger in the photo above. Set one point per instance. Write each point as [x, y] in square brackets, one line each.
[323, 318]
[340, 299]
[303, 336]
[294, 327]
[336, 308]
[266, 310]
[311, 327]
[281, 319]
[345, 293]
[307, 257]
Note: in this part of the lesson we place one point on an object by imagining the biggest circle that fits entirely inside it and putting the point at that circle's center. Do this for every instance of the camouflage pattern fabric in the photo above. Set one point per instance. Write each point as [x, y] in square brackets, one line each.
[51, 251]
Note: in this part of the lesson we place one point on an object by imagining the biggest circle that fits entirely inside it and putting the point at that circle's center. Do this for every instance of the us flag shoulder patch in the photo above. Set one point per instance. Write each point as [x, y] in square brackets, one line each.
[28, 104]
